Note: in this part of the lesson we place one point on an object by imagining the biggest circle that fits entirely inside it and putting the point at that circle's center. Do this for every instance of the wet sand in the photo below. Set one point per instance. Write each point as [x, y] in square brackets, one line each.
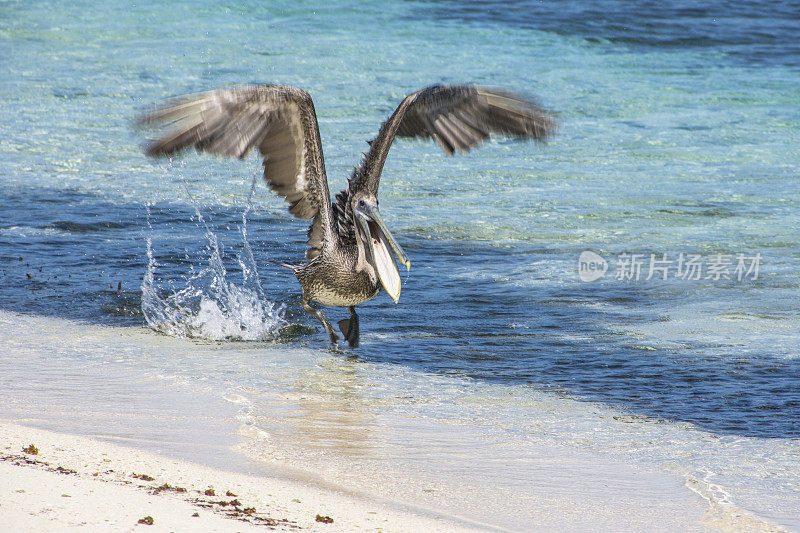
[68, 482]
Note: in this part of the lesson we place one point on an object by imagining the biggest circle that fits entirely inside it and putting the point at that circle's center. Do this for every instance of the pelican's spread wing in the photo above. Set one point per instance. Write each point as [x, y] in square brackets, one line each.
[458, 118]
[279, 121]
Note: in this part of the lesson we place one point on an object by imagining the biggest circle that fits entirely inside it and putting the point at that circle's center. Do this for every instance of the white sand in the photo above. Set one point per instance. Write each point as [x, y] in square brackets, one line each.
[97, 491]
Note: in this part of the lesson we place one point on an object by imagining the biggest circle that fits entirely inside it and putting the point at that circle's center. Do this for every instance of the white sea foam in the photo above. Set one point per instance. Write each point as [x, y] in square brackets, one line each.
[722, 514]
[236, 399]
[30, 231]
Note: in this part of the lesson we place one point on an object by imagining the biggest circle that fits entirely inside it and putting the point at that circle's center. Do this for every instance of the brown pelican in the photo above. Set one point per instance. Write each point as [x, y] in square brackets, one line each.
[350, 248]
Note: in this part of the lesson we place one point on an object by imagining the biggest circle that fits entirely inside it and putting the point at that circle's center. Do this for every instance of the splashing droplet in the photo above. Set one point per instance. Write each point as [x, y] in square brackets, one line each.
[209, 306]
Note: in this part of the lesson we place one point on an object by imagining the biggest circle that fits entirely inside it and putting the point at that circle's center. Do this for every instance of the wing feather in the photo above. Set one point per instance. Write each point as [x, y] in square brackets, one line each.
[458, 118]
[279, 121]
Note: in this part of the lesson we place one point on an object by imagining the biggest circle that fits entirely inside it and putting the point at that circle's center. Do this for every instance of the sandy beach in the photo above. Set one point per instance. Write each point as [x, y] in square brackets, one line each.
[53, 481]
[79, 483]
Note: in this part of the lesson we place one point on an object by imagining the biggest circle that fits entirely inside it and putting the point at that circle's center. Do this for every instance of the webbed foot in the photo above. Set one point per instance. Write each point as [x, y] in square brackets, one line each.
[349, 328]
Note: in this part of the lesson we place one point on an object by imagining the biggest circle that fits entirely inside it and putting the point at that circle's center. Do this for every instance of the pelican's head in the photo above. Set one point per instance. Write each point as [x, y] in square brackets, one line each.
[377, 240]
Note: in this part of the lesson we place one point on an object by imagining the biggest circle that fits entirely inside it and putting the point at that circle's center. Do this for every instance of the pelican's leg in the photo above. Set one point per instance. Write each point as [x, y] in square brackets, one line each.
[332, 336]
[349, 327]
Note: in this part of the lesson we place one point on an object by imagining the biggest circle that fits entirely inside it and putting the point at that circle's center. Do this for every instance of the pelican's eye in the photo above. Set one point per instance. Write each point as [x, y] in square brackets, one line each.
[362, 203]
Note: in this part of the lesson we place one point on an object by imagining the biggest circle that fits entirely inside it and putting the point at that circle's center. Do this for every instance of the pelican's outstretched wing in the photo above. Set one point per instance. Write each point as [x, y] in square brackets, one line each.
[458, 118]
[278, 120]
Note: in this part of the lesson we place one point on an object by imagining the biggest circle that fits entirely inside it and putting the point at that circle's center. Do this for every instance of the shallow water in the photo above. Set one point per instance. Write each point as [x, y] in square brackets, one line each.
[678, 136]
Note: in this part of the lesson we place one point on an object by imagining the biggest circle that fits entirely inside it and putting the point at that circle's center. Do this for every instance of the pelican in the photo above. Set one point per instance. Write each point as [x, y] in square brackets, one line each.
[350, 253]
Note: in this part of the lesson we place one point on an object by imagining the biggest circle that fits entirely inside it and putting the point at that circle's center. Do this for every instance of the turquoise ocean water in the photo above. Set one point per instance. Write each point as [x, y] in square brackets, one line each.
[678, 139]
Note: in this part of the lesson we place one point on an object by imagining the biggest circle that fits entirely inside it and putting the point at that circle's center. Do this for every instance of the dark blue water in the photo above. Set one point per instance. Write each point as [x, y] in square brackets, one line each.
[747, 33]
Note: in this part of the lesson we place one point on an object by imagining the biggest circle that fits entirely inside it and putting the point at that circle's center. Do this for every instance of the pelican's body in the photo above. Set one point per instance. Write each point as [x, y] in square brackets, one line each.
[338, 280]
[351, 251]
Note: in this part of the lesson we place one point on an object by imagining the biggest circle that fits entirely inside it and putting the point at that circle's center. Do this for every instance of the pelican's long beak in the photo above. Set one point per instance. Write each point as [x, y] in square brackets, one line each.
[379, 242]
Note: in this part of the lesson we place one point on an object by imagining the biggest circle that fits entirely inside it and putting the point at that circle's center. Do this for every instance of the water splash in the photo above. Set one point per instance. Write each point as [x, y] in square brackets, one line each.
[209, 306]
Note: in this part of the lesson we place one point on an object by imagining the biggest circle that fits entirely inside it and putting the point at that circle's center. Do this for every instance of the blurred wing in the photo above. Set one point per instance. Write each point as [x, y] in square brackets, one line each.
[279, 121]
[458, 118]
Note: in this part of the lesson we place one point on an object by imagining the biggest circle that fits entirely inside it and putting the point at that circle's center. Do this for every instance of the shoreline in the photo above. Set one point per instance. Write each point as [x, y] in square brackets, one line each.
[59, 481]
[347, 437]
[76, 482]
